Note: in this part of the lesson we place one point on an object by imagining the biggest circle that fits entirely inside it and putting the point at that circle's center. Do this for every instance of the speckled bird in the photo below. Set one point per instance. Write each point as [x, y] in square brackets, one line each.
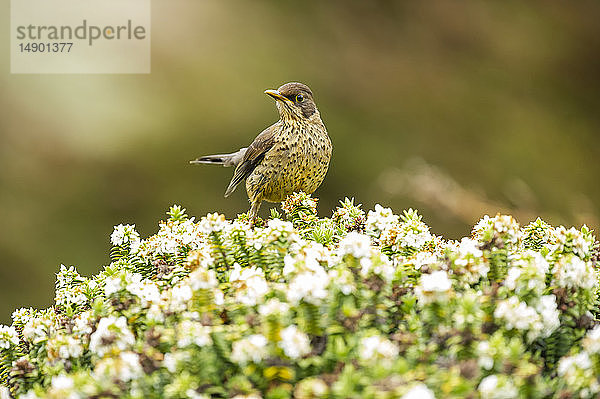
[291, 155]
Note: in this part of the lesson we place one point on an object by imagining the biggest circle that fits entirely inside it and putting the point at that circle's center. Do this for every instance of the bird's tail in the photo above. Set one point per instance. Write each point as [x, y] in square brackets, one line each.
[232, 159]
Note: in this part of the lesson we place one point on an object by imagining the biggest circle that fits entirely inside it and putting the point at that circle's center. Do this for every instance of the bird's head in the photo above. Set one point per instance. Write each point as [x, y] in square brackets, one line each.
[294, 101]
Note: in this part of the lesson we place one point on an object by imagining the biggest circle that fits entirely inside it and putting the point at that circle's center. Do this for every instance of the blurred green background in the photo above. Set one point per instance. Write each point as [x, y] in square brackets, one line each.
[455, 108]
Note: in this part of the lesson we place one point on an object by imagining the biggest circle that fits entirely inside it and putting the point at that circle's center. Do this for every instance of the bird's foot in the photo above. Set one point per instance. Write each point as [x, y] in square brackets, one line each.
[253, 213]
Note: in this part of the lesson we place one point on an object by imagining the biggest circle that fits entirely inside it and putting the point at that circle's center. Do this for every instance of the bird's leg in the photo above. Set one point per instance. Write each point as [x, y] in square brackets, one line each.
[253, 214]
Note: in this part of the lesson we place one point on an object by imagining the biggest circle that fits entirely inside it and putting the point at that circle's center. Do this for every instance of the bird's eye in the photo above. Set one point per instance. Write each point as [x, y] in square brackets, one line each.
[299, 98]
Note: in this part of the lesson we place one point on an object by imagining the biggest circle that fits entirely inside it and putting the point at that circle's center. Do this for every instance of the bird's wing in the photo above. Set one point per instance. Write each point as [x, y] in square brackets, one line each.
[253, 156]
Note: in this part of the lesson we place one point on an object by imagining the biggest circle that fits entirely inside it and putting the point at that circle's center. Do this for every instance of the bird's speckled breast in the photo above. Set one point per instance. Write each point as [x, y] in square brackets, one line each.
[298, 161]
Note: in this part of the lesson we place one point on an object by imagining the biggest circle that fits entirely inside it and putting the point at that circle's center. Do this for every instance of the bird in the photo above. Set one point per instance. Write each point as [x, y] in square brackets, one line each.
[291, 155]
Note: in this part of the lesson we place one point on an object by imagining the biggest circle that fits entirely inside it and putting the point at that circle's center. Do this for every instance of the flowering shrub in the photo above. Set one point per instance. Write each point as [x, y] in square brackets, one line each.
[359, 305]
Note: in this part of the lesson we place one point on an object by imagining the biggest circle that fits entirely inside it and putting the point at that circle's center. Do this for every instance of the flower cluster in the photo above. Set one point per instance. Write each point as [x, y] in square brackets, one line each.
[349, 216]
[540, 321]
[8, 337]
[357, 305]
[404, 237]
[124, 233]
[500, 231]
[379, 220]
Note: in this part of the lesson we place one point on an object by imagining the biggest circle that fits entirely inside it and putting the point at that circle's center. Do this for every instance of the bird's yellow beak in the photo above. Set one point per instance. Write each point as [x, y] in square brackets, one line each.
[277, 96]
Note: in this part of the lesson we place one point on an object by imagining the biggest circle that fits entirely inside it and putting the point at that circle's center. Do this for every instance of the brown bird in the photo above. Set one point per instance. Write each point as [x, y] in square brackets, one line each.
[291, 155]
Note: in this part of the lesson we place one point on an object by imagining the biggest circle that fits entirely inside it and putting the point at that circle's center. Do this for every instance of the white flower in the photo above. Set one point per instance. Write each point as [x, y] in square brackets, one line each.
[249, 284]
[36, 329]
[469, 260]
[567, 364]
[412, 233]
[134, 247]
[485, 360]
[8, 336]
[112, 285]
[571, 240]
[192, 394]
[311, 387]
[294, 342]
[67, 276]
[123, 234]
[310, 287]
[437, 281]
[433, 287]
[29, 395]
[273, 306]
[65, 296]
[200, 257]
[511, 278]
[212, 222]
[252, 348]
[64, 347]
[532, 258]
[146, 290]
[203, 279]
[421, 259]
[187, 232]
[170, 362]
[517, 315]
[504, 226]
[377, 347]
[379, 220]
[165, 243]
[72, 349]
[419, 391]
[180, 295]
[355, 244]
[572, 272]
[492, 387]
[343, 279]
[171, 239]
[192, 332]
[280, 225]
[62, 382]
[379, 266]
[124, 367]
[548, 311]
[219, 297]
[415, 239]
[155, 312]
[308, 258]
[82, 323]
[111, 333]
[276, 230]
[22, 315]
[540, 320]
[468, 249]
[5, 393]
[591, 342]
[289, 265]
[148, 293]
[527, 273]
[236, 272]
[63, 386]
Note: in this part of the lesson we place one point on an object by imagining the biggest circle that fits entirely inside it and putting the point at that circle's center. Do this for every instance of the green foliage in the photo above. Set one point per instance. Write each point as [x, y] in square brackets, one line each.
[359, 305]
